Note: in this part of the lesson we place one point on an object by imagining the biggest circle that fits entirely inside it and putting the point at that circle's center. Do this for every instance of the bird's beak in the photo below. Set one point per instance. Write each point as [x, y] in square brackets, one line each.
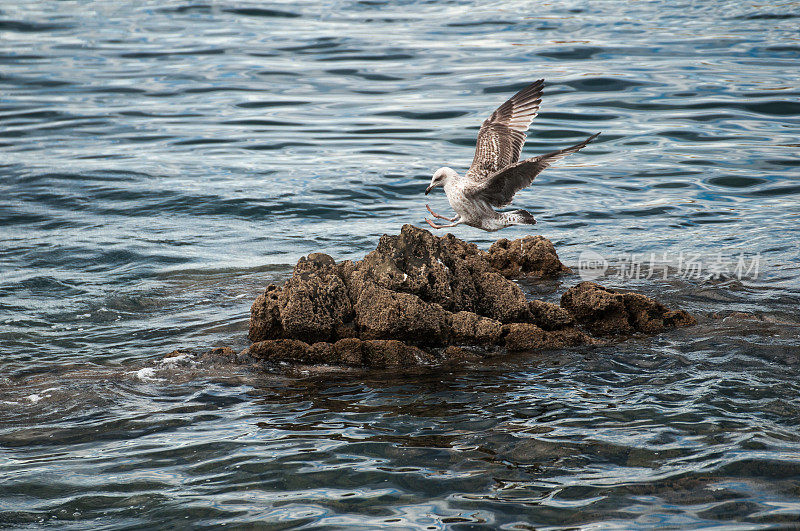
[428, 189]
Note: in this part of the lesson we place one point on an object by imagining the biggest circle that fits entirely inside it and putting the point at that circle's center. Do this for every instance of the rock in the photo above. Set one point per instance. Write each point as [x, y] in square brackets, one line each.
[437, 270]
[651, 317]
[312, 305]
[323, 352]
[679, 319]
[265, 316]
[737, 316]
[350, 351]
[527, 336]
[472, 328]
[600, 309]
[418, 294]
[501, 299]
[607, 312]
[345, 330]
[385, 354]
[385, 314]
[532, 256]
[225, 352]
[217, 355]
[549, 316]
[523, 336]
[315, 301]
[459, 355]
[279, 350]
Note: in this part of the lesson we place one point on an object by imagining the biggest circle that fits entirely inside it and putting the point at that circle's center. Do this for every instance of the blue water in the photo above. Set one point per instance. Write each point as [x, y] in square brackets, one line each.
[161, 162]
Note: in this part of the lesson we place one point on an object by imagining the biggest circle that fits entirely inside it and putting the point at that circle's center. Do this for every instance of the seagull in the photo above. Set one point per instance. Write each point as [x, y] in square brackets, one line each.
[496, 173]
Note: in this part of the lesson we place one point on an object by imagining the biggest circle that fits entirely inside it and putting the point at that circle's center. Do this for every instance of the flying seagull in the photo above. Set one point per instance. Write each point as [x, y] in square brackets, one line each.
[496, 173]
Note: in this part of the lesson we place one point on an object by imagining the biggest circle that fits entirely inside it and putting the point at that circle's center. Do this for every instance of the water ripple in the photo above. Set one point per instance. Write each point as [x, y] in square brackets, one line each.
[161, 164]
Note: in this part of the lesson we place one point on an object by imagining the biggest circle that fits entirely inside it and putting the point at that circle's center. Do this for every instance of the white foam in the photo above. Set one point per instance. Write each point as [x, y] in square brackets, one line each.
[180, 359]
[147, 374]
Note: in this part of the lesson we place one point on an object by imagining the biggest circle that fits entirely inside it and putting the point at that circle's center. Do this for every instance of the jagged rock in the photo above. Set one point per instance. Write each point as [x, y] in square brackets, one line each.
[549, 316]
[222, 351]
[527, 336]
[523, 336]
[651, 317]
[600, 309]
[532, 256]
[384, 354]
[315, 301]
[385, 314]
[349, 351]
[265, 316]
[459, 354]
[607, 311]
[501, 299]
[178, 353]
[374, 353]
[279, 350]
[474, 329]
[419, 299]
[312, 305]
[323, 352]
[438, 270]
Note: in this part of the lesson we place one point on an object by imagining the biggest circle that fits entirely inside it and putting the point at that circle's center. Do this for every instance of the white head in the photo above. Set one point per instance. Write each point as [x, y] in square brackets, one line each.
[440, 178]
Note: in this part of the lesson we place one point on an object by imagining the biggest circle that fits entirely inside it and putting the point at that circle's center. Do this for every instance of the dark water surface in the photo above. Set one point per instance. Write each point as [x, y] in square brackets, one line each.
[161, 162]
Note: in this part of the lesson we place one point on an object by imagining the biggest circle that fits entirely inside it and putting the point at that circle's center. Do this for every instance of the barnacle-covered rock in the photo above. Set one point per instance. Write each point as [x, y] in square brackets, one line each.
[606, 311]
[419, 299]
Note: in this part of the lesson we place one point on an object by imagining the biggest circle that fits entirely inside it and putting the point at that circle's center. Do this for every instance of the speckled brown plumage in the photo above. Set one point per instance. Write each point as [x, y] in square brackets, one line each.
[499, 188]
[502, 135]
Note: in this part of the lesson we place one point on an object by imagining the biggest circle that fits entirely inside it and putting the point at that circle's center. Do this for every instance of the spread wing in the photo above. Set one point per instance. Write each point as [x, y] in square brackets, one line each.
[499, 188]
[502, 135]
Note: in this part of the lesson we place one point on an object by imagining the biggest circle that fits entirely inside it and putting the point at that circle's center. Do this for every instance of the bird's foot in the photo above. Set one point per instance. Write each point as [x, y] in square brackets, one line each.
[434, 214]
[435, 226]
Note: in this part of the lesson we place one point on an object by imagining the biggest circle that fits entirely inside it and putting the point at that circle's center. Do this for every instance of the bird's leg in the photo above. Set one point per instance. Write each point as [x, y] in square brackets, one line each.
[435, 226]
[434, 214]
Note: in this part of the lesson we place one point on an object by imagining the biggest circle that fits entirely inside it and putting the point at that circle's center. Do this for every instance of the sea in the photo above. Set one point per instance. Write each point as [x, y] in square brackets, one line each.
[162, 162]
